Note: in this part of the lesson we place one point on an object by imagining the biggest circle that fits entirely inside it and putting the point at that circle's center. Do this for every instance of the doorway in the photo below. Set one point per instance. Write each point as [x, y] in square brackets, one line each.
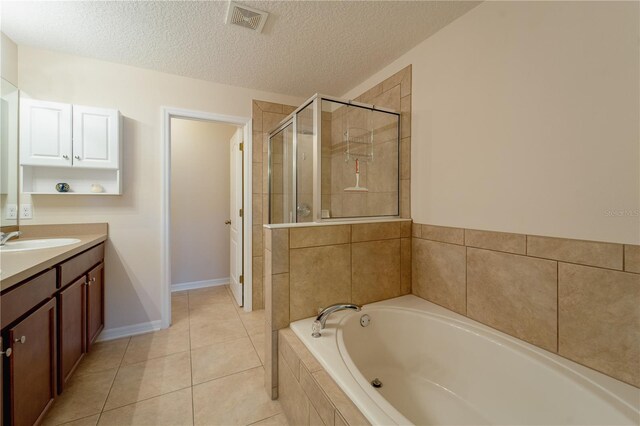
[205, 206]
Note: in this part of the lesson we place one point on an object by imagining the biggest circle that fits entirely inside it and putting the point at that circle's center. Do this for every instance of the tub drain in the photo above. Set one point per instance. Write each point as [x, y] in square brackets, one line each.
[376, 383]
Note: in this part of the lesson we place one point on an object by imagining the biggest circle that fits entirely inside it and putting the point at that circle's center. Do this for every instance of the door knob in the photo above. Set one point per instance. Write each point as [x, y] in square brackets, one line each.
[20, 339]
[227, 222]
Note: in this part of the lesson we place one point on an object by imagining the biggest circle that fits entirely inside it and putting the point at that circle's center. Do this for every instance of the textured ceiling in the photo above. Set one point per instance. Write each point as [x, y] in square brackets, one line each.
[305, 47]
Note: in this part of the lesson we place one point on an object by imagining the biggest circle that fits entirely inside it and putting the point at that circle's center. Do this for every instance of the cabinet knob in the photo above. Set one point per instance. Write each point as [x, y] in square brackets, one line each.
[66, 157]
[20, 339]
[77, 157]
[227, 222]
[7, 353]
[93, 280]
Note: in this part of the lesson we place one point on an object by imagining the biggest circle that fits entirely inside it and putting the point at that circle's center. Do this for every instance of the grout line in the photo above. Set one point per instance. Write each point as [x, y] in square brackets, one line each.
[143, 400]
[557, 307]
[115, 376]
[266, 418]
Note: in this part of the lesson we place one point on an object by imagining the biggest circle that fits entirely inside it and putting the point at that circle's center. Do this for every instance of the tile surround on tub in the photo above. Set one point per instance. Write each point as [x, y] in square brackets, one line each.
[527, 293]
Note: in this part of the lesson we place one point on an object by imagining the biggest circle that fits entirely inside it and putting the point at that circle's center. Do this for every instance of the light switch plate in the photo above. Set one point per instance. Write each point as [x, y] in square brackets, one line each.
[26, 212]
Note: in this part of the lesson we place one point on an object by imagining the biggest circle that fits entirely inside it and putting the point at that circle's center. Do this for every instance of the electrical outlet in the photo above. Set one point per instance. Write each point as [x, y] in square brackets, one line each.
[26, 212]
[12, 211]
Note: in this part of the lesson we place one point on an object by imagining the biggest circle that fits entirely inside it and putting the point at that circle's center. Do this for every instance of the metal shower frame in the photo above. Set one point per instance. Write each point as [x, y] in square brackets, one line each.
[316, 101]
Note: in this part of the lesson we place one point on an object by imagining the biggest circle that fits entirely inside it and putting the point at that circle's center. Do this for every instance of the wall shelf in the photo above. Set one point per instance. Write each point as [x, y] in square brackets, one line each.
[42, 180]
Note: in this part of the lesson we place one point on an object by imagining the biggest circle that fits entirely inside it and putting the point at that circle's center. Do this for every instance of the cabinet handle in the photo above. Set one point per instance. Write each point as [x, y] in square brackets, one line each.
[93, 280]
[66, 157]
[77, 157]
[7, 353]
[20, 339]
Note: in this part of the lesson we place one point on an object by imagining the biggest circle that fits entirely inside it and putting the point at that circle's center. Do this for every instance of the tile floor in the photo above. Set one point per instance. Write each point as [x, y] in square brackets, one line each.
[204, 370]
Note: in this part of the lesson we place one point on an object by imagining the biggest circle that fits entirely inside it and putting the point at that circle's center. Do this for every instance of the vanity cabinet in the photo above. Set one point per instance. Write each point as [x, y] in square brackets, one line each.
[74, 144]
[49, 322]
[32, 365]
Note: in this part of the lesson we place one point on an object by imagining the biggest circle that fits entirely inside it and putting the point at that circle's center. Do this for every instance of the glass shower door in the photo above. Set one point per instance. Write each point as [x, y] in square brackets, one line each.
[282, 179]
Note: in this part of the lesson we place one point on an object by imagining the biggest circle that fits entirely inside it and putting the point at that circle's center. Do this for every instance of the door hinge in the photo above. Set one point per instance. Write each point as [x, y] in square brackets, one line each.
[240, 213]
[241, 279]
[241, 146]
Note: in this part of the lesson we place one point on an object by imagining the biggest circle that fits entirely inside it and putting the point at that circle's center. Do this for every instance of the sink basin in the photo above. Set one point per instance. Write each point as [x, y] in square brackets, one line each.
[37, 244]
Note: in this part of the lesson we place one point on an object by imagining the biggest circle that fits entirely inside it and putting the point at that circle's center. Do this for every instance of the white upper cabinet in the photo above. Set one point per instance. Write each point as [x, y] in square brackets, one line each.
[45, 133]
[96, 132]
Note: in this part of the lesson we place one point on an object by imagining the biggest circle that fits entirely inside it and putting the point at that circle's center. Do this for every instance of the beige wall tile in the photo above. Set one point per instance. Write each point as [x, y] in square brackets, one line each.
[405, 266]
[405, 198]
[368, 96]
[292, 398]
[592, 253]
[270, 120]
[632, 258]
[416, 230]
[375, 231]
[271, 361]
[316, 397]
[342, 402]
[267, 235]
[438, 273]
[268, 107]
[500, 241]
[280, 301]
[405, 158]
[405, 117]
[599, 315]
[306, 357]
[289, 355]
[314, 417]
[319, 277]
[444, 234]
[375, 270]
[394, 80]
[256, 115]
[256, 149]
[388, 98]
[405, 229]
[256, 205]
[515, 294]
[314, 236]
[257, 233]
[406, 82]
[256, 177]
[279, 251]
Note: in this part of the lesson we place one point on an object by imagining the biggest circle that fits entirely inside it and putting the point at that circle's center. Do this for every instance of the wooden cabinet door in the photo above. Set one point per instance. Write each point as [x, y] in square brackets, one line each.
[95, 303]
[32, 366]
[45, 133]
[71, 329]
[96, 137]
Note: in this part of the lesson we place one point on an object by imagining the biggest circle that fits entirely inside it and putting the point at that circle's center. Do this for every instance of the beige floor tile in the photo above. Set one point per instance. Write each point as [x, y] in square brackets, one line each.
[212, 312]
[180, 318]
[208, 333]
[180, 300]
[151, 378]
[171, 409]
[223, 359]
[258, 344]
[83, 396]
[207, 296]
[238, 399]
[85, 421]
[155, 345]
[277, 420]
[103, 356]
[253, 321]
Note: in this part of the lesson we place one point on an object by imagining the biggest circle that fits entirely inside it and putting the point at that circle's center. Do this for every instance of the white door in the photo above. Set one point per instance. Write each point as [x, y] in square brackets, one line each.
[96, 135]
[235, 227]
[45, 133]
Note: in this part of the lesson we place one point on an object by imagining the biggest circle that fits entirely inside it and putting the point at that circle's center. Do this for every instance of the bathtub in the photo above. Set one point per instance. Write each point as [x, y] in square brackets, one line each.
[440, 368]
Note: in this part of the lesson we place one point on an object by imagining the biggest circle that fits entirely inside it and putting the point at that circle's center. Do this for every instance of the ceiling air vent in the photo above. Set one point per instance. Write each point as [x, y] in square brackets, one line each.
[246, 17]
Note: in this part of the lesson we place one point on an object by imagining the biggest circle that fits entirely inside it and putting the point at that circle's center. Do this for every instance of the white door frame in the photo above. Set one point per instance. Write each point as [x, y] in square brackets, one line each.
[165, 239]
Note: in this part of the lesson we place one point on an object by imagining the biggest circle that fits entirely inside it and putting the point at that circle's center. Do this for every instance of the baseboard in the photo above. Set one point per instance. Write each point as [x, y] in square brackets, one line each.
[129, 330]
[199, 284]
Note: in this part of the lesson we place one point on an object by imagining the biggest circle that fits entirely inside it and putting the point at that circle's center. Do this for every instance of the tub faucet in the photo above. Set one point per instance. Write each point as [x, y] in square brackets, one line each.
[321, 320]
[4, 237]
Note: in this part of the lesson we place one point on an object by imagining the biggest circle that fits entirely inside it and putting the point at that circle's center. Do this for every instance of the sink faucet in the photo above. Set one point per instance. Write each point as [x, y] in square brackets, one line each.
[321, 320]
[4, 237]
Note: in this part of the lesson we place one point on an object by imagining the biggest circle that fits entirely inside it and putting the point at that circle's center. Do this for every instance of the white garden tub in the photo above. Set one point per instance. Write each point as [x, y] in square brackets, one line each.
[440, 368]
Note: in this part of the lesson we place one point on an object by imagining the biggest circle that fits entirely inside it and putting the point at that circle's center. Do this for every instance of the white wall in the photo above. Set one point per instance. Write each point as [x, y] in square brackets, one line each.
[526, 119]
[133, 267]
[8, 59]
[199, 200]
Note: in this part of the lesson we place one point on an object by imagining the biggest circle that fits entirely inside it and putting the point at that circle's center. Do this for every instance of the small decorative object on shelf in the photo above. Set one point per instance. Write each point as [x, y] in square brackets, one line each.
[62, 187]
[96, 188]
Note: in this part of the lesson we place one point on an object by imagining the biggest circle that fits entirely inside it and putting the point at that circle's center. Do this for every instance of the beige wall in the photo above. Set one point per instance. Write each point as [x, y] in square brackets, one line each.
[525, 119]
[8, 59]
[133, 252]
[199, 200]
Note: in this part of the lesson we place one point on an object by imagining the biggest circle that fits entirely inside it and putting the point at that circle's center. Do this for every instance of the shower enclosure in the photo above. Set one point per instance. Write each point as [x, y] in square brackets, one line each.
[333, 159]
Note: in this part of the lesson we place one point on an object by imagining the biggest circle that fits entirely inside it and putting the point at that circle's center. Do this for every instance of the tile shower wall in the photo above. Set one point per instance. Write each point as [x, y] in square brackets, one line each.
[266, 115]
[579, 299]
[307, 268]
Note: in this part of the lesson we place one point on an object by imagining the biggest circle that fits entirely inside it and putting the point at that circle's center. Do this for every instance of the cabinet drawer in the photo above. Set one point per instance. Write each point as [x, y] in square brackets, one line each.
[21, 299]
[79, 265]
